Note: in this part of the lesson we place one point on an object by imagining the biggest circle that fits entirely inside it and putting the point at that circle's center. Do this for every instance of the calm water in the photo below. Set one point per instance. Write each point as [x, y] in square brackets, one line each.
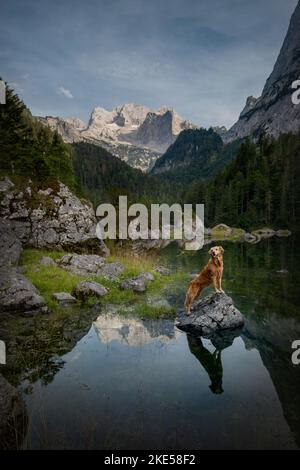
[130, 384]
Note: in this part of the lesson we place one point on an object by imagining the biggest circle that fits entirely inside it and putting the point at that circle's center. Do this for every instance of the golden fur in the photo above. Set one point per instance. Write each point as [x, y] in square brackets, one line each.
[211, 273]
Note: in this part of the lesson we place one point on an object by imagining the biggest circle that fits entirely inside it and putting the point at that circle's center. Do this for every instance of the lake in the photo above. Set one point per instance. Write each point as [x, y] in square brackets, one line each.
[130, 383]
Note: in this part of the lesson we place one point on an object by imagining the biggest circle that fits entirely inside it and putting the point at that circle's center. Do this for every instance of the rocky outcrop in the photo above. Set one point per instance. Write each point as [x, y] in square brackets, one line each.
[13, 416]
[274, 112]
[49, 218]
[211, 315]
[10, 246]
[138, 283]
[64, 298]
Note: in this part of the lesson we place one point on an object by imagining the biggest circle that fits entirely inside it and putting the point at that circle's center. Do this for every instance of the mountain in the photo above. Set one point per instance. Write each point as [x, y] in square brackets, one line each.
[196, 153]
[273, 112]
[132, 132]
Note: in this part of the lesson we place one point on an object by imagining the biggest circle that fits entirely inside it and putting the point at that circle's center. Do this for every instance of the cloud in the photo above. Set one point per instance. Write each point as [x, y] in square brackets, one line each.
[65, 92]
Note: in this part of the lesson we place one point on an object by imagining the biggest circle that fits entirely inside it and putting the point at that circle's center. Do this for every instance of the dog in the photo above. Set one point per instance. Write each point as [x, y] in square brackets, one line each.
[212, 273]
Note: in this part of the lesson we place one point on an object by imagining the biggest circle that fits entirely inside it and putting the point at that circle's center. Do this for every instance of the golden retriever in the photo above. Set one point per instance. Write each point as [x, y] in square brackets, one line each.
[212, 273]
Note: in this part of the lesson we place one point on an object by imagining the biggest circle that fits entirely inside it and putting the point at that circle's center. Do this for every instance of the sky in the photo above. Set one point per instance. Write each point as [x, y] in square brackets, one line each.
[200, 57]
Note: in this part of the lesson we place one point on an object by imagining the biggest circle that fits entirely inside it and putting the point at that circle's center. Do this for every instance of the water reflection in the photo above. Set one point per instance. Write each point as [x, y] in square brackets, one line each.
[211, 362]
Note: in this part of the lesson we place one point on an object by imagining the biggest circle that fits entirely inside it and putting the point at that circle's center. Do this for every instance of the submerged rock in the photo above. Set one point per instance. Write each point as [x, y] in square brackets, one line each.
[89, 288]
[18, 294]
[211, 314]
[13, 421]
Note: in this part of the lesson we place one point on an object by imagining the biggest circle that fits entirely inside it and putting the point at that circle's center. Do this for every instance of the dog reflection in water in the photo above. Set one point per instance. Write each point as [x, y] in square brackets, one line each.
[211, 362]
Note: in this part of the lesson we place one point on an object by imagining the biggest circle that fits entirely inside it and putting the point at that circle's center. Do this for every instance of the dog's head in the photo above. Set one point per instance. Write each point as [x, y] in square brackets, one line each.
[216, 251]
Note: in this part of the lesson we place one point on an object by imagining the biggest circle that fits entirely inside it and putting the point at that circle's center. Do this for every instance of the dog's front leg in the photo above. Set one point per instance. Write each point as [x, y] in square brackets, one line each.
[215, 283]
[220, 282]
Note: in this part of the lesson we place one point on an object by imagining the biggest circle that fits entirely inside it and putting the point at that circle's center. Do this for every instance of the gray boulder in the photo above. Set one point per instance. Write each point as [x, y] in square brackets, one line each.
[18, 294]
[146, 276]
[137, 284]
[211, 314]
[89, 288]
[13, 415]
[83, 265]
[162, 270]
[64, 298]
[47, 261]
[111, 271]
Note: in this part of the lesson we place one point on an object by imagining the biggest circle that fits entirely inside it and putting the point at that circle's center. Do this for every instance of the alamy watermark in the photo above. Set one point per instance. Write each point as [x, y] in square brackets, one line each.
[2, 352]
[163, 222]
[296, 94]
[2, 92]
[296, 353]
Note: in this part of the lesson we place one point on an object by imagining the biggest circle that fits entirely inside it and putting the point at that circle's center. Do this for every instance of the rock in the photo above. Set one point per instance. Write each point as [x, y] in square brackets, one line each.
[13, 415]
[136, 284]
[51, 217]
[250, 238]
[146, 276]
[47, 261]
[64, 297]
[274, 113]
[211, 314]
[83, 265]
[221, 229]
[162, 270]
[10, 246]
[111, 270]
[283, 233]
[89, 288]
[18, 294]
[265, 232]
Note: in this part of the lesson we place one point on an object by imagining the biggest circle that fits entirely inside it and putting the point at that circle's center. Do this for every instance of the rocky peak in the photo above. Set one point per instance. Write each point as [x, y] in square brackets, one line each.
[274, 113]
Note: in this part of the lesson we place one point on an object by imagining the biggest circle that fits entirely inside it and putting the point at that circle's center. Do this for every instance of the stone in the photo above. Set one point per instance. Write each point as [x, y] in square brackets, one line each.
[64, 297]
[274, 112]
[10, 246]
[47, 261]
[13, 422]
[17, 294]
[50, 217]
[136, 284]
[162, 270]
[83, 265]
[89, 288]
[146, 276]
[250, 238]
[283, 233]
[111, 270]
[211, 314]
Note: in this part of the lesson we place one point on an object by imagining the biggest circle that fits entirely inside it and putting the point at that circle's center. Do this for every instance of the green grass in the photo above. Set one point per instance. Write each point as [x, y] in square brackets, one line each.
[51, 279]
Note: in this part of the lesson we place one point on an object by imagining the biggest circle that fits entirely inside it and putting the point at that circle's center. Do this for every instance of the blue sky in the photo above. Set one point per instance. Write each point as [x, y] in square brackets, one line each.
[201, 57]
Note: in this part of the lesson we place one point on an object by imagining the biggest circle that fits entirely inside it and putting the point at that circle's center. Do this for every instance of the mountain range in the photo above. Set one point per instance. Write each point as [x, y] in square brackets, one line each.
[147, 139]
[135, 133]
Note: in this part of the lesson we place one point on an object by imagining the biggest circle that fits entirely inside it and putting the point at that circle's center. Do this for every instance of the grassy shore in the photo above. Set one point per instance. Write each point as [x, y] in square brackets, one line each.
[51, 279]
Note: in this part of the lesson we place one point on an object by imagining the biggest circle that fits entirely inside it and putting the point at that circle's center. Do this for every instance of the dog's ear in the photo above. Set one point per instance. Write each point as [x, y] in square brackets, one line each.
[221, 249]
[209, 251]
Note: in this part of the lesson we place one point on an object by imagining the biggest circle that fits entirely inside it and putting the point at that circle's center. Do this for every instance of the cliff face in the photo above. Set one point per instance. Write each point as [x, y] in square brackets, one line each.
[274, 111]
